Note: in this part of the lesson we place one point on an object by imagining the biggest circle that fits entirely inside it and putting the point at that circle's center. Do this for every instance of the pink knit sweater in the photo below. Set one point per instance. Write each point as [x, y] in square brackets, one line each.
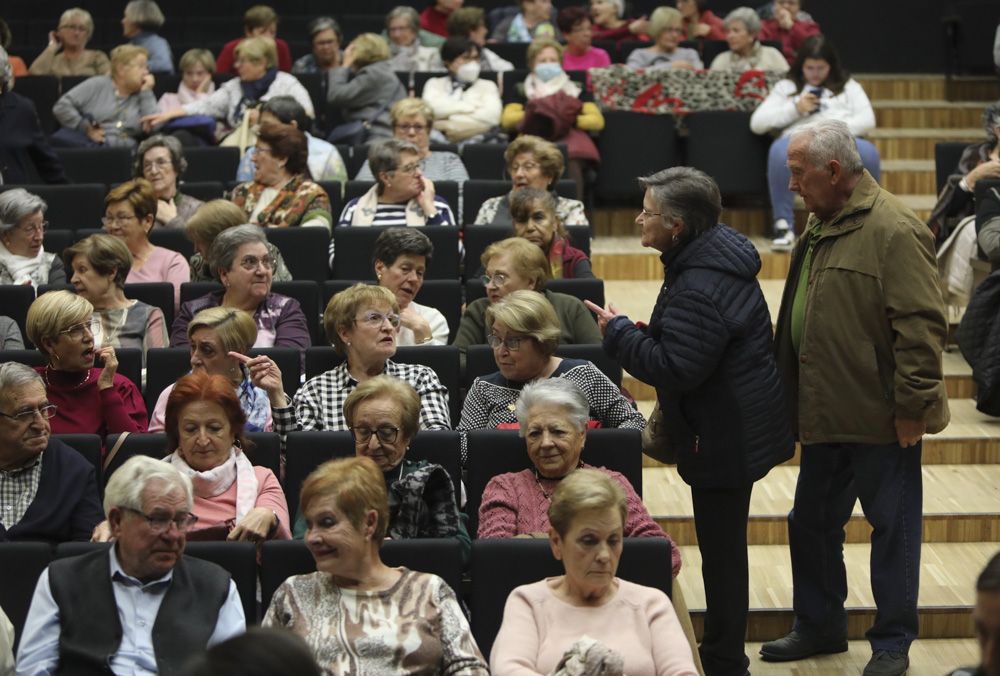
[221, 509]
[514, 504]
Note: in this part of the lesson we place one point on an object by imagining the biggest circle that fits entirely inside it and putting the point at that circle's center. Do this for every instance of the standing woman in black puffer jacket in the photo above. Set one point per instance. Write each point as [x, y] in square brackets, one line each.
[707, 350]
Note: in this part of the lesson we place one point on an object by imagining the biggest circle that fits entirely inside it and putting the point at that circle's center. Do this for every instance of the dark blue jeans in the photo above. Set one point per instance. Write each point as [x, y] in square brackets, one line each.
[888, 482]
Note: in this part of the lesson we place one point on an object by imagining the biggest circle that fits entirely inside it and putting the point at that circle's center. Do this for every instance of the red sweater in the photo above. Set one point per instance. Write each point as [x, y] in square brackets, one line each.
[85, 409]
[716, 25]
[791, 39]
[226, 63]
[434, 21]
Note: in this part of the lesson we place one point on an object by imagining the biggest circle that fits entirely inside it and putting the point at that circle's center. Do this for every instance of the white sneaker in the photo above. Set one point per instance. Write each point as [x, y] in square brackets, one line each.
[784, 238]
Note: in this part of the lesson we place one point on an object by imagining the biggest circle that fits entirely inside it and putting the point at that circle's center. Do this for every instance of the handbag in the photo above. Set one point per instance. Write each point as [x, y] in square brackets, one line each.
[655, 442]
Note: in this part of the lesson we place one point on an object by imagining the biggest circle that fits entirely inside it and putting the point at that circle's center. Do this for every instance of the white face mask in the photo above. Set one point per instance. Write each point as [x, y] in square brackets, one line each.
[468, 72]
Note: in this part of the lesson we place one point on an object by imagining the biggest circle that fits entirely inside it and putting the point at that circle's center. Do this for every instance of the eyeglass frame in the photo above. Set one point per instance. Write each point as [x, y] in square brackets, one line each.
[512, 343]
[115, 220]
[267, 260]
[409, 169]
[89, 326]
[486, 279]
[158, 162]
[29, 415]
[43, 227]
[646, 214]
[372, 315]
[160, 525]
[419, 128]
[387, 434]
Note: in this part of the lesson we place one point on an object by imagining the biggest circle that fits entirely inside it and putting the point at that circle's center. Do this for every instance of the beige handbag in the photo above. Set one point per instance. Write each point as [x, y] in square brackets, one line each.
[655, 442]
[243, 136]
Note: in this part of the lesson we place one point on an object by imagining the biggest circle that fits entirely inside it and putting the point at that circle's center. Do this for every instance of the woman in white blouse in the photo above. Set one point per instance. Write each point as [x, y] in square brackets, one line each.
[464, 104]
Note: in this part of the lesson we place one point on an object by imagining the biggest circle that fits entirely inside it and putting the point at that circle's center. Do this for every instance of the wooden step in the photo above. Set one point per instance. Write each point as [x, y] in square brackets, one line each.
[928, 657]
[915, 143]
[927, 114]
[926, 87]
[961, 504]
[623, 259]
[909, 177]
[947, 589]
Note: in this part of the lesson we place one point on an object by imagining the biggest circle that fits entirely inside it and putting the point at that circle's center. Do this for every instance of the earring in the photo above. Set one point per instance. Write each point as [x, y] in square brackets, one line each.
[674, 239]
[380, 276]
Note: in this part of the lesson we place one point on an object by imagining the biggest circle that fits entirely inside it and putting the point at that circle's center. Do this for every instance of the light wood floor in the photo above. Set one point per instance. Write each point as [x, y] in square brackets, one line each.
[934, 657]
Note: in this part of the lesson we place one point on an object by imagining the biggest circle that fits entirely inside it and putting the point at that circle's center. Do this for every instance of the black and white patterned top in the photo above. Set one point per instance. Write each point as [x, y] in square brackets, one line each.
[491, 400]
[18, 488]
[319, 404]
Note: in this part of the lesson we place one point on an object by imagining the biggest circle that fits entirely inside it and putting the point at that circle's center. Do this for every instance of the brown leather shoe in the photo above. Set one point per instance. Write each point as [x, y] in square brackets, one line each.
[798, 645]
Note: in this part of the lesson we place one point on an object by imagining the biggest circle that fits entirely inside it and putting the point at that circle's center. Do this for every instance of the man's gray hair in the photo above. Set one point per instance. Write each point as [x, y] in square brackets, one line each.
[746, 16]
[554, 392]
[173, 146]
[222, 253]
[688, 194]
[126, 486]
[384, 156]
[830, 140]
[16, 375]
[403, 12]
[991, 119]
[17, 204]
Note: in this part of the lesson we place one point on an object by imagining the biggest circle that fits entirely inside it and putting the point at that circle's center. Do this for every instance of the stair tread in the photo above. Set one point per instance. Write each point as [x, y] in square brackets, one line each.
[908, 165]
[960, 133]
[919, 104]
[928, 657]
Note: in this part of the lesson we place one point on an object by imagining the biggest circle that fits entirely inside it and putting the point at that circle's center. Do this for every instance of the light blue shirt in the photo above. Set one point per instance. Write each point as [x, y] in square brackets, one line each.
[138, 604]
[161, 58]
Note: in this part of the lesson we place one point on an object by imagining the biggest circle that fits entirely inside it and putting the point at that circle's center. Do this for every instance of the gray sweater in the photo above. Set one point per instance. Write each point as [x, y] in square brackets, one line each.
[360, 97]
[644, 58]
[94, 99]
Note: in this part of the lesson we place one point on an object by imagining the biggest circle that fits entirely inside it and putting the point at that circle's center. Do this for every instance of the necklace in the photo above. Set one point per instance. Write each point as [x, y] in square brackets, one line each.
[45, 376]
[538, 480]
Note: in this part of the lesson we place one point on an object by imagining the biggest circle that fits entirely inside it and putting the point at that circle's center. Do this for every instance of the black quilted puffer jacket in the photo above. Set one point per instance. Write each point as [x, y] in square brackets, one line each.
[707, 350]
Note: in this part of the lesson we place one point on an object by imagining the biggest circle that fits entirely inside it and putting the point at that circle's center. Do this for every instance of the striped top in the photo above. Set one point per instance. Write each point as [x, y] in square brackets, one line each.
[395, 214]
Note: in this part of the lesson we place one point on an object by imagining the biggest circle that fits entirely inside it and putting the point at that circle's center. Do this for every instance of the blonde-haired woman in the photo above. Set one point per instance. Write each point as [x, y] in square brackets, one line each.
[666, 28]
[107, 110]
[515, 264]
[67, 53]
[212, 335]
[197, 67]
[89, 399]
[364, 87]
[419, 625]
[588, 615]
[99, 266]
[204, 226]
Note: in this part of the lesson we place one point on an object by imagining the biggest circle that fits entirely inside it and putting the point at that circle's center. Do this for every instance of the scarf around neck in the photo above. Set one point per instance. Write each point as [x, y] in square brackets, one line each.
[216, 481]
[367, 207]
[21, 269]
[536, 88]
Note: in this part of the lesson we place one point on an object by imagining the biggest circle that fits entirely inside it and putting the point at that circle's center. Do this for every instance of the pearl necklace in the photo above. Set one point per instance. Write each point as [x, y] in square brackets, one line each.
[45, 376]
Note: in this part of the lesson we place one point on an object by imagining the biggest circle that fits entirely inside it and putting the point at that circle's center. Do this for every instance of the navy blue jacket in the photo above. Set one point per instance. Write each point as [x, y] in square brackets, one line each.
[707, 350]
[22, 142]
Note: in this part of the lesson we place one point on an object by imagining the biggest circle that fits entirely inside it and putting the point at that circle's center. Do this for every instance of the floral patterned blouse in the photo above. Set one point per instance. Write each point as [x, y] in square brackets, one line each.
[298, 201]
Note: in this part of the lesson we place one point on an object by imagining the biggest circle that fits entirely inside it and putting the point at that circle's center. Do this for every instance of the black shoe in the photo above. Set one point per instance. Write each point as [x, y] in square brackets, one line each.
[798, 645]
[887, 663]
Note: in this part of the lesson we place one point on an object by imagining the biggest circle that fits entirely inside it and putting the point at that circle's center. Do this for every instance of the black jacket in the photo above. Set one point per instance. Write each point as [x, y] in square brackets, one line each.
[22, 142]
[707, 350]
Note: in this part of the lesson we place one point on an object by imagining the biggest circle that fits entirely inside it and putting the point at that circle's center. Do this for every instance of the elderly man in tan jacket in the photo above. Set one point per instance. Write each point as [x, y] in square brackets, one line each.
[859, 340]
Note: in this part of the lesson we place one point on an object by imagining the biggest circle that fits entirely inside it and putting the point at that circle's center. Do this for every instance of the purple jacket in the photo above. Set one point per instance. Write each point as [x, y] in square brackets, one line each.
[280, 321]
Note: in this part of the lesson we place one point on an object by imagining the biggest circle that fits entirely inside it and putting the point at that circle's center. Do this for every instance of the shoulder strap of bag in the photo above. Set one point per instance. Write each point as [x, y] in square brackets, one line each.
[110, 457]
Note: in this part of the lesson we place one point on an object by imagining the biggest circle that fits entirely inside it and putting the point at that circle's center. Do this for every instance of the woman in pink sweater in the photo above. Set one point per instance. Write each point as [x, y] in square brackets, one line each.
[588, 617]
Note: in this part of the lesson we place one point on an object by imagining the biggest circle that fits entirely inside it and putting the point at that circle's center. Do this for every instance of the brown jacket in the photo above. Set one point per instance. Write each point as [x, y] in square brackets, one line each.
[874, 325]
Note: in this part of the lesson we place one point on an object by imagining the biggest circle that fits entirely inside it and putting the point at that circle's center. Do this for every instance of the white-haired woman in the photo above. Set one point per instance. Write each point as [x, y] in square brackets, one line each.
[745, 51]
[666, 28]
[402, 24]
[140, 22]
[23, 260]
[160, 160]
[67, 53]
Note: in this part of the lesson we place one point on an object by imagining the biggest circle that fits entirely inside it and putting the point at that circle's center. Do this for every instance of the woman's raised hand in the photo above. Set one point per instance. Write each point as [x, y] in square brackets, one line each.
[266, 375]
[107, 377]
[603, 316]
[258, 523]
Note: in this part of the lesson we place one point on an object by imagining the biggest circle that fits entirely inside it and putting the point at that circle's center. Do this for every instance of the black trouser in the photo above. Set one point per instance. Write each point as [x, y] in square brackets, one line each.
[720, 519]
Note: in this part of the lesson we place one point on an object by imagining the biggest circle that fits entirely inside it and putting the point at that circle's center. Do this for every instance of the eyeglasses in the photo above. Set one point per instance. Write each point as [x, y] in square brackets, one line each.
[646, 214]
[77, 330]
[160, 524]
[31, 228]
[375, 319]
[412, 127]
[74, 27]
[159, 163]
[512, 343]
[497, 279]
[386, 434]
[250, 263]
[109, 221]
[48, 411]
[527, 166]
[409, 169]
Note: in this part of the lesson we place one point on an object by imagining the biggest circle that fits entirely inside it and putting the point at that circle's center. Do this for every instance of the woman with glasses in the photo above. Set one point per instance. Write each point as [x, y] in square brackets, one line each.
[129, 214]
[240, 260]
[205, 225]
[412, 120]
[160, 160]
[515, 264]
[67, 53]
[361, 322]
[90, 399]
[401, 256]
[536, 220]
[666, 28]
[23, 260]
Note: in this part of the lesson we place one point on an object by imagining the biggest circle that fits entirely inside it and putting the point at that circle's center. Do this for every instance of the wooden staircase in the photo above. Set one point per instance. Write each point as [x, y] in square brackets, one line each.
[961, 474]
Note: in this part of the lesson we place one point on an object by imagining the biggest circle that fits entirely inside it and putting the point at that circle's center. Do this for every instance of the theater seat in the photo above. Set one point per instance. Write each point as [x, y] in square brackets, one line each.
[96, 165]
[15, 299]
[21, 563]
[721, 144]
[70, 207]
[91, 447]
[129, 361]
[211, 163]
[354, 246]
[625, 132]
[305, 251]
[157, 294]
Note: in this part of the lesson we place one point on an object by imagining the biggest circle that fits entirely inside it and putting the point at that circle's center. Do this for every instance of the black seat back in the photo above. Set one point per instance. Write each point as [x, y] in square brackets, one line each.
[21, 563]
[70, 207]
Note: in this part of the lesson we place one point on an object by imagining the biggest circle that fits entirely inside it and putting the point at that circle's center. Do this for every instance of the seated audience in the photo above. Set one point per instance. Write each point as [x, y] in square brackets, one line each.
[205, 225]
[197, 67]
[325, 38]
[23, 143]
[609, 23]
[259, 652]
[987, 618]
[533, 21]
[421, 624]
[10, 334]
[364, 87]
[470, 22]
[383, 416]
[258, 21]
[580, 53]
[401, 256]
[108, 110]
[434, 18]
[789, 27]
[258, 80]
[745, 51]
[99, 265]
[516, 264]
[212, 334]
[130, 211]
[598, 621]
[536, 163]
[17, 65]
[535, 219]
[160, 160]
[768, 10]
[233, 499]
[402, 25]
[23, 259]
[699, 22]
[979, 161]
[667, 30]
[412, 120]
[239, 259]
[75, 623]
[817, 87]
[324, 161]
[139, 25]
[524, 334]
[67, 53]
[282, 195]
[49, 488]
[465, 105]
[88, 399]
[361, 322]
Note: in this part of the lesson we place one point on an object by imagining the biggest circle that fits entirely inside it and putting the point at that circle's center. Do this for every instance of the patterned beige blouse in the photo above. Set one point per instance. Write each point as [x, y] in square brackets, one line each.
[415, 627]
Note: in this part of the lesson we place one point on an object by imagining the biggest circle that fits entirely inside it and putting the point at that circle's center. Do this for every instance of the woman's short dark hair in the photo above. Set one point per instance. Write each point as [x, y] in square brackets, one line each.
[569, 17]
[173, 146]
[287, 143]
[688, 194]
[322, 23]
[464, 20]
[819, 47]
[396, 242]
[288, 110]
[258, 652]
[454, 47]
[106, 254]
